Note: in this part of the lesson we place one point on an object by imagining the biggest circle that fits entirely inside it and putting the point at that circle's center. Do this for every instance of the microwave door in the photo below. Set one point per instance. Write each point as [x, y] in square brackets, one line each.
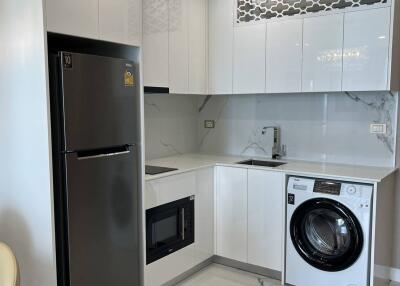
[170, 227]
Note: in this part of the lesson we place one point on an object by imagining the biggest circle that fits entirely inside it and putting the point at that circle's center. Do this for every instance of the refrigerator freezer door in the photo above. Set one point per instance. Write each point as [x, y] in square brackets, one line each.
[102, 211]
[98, 97]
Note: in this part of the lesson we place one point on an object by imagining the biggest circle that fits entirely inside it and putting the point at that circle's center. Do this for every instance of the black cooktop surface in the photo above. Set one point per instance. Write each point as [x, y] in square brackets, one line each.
[155, 170]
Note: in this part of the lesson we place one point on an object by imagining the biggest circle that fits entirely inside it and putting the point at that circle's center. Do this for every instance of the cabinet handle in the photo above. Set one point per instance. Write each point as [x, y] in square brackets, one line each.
[183, 224]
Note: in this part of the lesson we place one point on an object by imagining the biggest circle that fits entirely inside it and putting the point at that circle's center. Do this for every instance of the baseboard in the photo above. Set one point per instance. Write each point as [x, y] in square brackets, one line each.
[395, 274]
[385, 272]
[248, 267]
[189, 273]
[226, 262]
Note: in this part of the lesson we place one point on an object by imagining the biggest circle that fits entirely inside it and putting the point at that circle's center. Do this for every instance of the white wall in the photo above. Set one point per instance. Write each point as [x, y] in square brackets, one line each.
[26, 215]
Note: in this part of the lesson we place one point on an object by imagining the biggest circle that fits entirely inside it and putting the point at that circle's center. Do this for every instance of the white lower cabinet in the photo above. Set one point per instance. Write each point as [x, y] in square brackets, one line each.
[199, 183]
[231, 213]
[265, 218]
[250, 216]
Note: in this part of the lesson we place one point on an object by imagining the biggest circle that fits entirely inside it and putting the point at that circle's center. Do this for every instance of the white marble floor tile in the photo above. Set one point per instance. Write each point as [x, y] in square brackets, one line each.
[218, 275]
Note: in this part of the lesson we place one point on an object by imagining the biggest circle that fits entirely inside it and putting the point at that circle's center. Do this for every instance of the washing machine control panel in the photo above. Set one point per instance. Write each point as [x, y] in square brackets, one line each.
[329, 187]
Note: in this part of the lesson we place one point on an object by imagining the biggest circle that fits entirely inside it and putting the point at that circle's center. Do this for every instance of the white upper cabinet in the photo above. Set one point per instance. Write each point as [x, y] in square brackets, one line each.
[249, 59]
[155, 43]
[120, 21]
[366, 50]
[322, 53]
[220, 46]
[284, 56]
[231, 213]
[73, 17]
[198, 81]
[175, 45]
[178, 46]
[266, 205]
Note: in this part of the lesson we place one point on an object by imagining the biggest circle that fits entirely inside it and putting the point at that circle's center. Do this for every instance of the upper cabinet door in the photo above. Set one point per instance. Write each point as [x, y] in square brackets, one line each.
[249, 59]
[220, 46]
[73, 17]
[178, 46]
[323, 53]
[197, 46]
[366, 50]
[120, 21]
[284, 56]
[155, 43]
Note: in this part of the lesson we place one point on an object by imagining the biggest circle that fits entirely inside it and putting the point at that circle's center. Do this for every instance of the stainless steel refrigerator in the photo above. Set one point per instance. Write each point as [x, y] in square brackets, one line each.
[94, 114]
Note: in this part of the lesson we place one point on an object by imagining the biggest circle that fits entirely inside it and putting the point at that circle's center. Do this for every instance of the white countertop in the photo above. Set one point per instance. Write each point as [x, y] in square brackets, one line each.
[189, 162]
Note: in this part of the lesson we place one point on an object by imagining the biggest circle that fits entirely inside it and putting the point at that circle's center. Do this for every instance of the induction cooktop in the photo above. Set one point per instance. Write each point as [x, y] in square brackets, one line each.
[155, 170]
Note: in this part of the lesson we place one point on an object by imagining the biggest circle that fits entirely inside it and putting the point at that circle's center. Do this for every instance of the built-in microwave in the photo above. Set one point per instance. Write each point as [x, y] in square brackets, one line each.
[169, 227]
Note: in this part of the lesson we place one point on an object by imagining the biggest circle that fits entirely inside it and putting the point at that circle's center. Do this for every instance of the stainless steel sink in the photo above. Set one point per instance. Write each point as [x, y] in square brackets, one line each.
[262, 163]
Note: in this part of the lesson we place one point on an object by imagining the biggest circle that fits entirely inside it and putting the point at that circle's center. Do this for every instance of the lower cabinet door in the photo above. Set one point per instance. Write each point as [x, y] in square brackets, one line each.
[265, 218]
[231, 213]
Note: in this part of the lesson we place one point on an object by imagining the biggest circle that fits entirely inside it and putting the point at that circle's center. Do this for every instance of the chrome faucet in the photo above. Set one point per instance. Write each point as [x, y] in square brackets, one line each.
[278, 150]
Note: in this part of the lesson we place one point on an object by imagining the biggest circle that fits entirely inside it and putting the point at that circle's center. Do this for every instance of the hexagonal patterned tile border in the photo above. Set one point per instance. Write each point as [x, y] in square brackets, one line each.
[256, 10]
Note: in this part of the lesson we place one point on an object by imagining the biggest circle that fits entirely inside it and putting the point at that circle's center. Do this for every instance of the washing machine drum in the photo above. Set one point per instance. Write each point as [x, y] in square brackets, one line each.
[326, 234]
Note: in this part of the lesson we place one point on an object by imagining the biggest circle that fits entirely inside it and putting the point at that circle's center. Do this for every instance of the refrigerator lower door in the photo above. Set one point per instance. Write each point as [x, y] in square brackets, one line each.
[99, 103]
[102, 219]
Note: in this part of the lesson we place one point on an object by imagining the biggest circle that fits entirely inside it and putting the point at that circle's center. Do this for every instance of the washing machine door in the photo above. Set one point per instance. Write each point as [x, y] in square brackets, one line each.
[326, 234]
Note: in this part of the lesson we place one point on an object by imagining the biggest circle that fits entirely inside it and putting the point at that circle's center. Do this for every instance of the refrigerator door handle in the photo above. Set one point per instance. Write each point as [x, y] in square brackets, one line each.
[104, 155]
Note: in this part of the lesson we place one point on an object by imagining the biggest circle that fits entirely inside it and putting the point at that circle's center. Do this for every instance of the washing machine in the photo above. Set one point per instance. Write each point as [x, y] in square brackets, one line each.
[328, 232]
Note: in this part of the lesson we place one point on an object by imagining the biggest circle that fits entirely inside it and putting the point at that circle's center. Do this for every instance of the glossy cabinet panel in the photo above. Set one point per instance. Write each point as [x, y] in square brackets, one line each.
[249, 59]
[220, 46]
[204, 215]
[178, 47]
[284, 56]
[231, 213]
[197, 26]
[322, 53]
[266, 218]
[73, 17]
[366, 50]
[120, 21]
[155, 43]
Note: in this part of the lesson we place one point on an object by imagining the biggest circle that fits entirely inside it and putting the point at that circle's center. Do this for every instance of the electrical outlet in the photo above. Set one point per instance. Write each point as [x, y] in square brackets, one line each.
[209, 124]
[377, 128]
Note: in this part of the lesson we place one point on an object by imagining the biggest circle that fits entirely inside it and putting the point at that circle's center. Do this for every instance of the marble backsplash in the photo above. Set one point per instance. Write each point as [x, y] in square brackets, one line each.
[330, 127]
[171, 123]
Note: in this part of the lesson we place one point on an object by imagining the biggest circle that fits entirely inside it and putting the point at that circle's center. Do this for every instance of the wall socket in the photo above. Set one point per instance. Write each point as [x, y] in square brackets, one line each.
[377, 128]
[209, 124]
